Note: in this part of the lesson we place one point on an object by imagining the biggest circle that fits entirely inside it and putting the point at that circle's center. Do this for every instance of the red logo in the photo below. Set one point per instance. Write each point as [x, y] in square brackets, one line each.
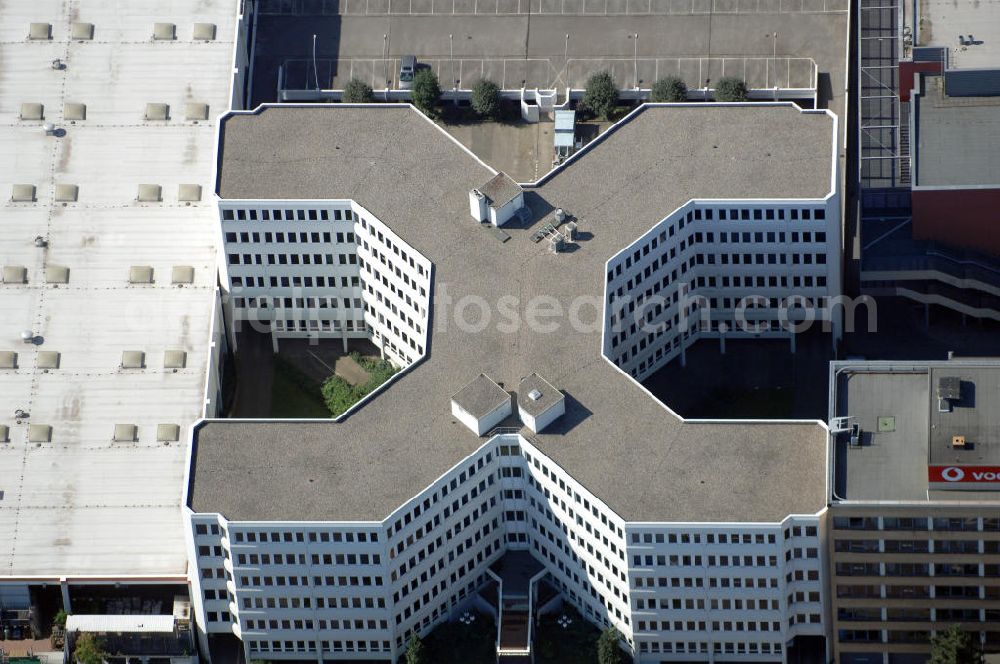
[952, 474]
[963, 474]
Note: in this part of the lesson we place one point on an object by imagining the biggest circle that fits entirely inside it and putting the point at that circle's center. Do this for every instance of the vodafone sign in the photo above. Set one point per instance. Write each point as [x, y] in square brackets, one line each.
[981, 477]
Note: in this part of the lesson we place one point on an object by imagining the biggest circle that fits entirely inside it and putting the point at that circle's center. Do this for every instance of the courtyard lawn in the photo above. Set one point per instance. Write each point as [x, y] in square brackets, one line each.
[456, 643]
[294, 394]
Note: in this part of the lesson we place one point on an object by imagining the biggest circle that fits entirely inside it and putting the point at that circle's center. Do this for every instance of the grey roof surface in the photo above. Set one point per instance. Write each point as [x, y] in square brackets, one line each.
[500, 190]
[892, 465]
[481, 397]
[974, 415]
[550, 396]
[615, 439]
[942, 21]
[958, 138]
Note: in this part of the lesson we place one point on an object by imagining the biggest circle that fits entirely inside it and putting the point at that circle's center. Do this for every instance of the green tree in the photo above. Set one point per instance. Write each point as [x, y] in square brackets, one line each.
[608, 651]
[357, 92]
[415, 651]
[426, 92]
[60, 618]
[486, 98]
[601, 94]
[88, 650]
[669, 90]
[730, 88]
[953, 646]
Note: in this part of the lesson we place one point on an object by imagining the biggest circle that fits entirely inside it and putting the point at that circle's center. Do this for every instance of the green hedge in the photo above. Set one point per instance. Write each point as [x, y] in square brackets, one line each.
[340, 395]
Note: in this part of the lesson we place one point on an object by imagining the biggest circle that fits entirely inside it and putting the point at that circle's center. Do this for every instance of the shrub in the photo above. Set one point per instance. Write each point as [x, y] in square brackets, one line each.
[426, 92]
[339, 395]
[601, 95]
[88, 650]
[730, 88]
[669, 90]
[357, 92]
[608, 651]
[954, 646]
[486, 98]
[415, 651]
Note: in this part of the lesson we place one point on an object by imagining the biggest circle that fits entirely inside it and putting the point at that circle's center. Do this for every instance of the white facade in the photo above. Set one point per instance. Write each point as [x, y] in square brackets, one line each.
[481, 425]
[537, 423]
[501, 215]
[326, 269]
[359, 590]
[714, 268]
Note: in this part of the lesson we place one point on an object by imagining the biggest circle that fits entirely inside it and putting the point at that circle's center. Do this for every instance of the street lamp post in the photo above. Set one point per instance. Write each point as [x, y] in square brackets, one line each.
[454, 81]
[635, 57]
[315, 70]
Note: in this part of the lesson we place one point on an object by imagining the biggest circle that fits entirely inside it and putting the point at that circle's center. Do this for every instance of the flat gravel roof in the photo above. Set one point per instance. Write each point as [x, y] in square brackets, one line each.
[958, 138]
[615, 438]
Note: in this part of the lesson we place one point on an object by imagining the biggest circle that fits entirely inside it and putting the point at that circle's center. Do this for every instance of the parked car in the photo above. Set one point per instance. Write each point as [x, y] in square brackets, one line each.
[407, 69]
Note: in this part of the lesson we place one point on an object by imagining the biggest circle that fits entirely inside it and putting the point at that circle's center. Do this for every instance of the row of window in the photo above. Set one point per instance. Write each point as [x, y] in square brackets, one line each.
[272, 214]
[961, 524]
[293, 281]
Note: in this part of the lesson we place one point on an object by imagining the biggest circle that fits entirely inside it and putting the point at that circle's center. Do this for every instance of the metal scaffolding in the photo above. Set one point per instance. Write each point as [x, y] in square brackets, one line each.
[883, 125]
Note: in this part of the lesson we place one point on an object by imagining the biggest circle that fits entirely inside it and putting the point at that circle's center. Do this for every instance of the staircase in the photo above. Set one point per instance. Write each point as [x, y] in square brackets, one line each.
[514, 636]
[904, 145]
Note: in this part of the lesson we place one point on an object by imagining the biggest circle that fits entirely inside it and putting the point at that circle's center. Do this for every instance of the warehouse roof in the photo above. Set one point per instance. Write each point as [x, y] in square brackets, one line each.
[75, 502]
[615, 438]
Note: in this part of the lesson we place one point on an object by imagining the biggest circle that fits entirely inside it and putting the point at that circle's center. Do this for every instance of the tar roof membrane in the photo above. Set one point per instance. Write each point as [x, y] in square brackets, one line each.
[615, 438]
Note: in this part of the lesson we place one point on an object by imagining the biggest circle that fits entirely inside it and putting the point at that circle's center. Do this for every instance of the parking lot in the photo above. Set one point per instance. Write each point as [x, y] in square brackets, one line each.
[555, 73]
[542, 7]
[784, 49]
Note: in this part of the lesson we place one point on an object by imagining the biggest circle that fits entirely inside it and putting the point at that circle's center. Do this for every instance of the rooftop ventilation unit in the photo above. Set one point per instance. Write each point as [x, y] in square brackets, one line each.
[40, 31]
[67, 193]
[560, 215]
[81, 31]
[168, 433]
[203, 31]
[949, 391]
[39, 433]
[48, 359]
[570, 231]
[164, 31]
[15, 274]
[73, 111]
[22, 193]
[478, 205]
[539, 403]
[481, 405]
[32, 111]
